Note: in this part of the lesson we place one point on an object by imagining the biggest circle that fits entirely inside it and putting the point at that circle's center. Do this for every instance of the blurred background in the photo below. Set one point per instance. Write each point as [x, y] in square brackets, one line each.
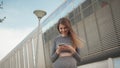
[96, 22]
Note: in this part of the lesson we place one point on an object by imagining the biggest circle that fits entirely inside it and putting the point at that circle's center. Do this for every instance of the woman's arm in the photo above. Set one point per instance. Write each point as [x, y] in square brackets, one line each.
[76, 55]
[54, 55]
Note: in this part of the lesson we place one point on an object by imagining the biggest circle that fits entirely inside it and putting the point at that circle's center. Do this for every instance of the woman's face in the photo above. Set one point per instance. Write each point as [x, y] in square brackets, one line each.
[63, 29]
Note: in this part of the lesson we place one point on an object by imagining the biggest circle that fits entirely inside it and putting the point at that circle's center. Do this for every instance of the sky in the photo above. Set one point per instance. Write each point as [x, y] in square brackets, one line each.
[20, 20]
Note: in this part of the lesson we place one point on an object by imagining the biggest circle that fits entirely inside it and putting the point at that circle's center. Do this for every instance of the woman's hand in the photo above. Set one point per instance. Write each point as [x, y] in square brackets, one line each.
[71, 49]
[58, 50]
[66, 47]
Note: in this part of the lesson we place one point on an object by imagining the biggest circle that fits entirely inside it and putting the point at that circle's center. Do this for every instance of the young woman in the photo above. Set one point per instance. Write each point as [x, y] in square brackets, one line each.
[66, 48]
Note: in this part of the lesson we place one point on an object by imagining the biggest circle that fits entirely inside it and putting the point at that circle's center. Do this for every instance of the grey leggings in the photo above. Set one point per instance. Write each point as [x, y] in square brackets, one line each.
[65, 62]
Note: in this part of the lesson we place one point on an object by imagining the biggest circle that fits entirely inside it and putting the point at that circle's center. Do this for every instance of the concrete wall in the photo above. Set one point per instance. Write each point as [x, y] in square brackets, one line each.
[100, 64]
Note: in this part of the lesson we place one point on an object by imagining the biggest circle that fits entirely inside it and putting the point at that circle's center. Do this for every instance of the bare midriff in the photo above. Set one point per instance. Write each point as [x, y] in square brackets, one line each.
[63, 54]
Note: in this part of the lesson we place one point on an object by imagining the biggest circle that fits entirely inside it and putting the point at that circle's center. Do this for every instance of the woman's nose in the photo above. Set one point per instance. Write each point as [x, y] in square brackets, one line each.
[63, 30]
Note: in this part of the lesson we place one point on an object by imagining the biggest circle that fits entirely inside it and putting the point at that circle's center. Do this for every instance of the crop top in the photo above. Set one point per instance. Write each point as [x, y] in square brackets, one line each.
[64, 40]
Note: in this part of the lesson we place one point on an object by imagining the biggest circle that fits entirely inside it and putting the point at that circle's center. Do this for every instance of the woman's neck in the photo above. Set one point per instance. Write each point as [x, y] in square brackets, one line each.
[63, 35]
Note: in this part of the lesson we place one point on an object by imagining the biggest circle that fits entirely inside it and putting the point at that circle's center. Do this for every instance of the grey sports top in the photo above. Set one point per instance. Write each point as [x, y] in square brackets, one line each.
[64, 40]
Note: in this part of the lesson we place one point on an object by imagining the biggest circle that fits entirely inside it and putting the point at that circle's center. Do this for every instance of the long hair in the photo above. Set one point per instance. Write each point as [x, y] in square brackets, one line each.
[75, 40]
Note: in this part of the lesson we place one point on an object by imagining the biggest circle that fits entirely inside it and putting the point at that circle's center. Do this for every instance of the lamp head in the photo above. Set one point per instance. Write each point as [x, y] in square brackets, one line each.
[39, 13]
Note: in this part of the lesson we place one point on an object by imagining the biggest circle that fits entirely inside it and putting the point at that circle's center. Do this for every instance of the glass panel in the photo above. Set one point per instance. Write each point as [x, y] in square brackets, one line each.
[71, 17]
[86, 4]
[77, 14]
[96, 6]
[88, 11]
[103, 3]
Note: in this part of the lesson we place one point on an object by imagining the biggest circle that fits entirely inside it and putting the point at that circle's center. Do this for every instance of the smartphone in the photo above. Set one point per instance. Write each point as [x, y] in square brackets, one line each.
[62, 44]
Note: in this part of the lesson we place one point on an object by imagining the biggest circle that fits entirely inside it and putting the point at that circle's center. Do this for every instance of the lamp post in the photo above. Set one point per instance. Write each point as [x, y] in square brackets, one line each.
[39, 61]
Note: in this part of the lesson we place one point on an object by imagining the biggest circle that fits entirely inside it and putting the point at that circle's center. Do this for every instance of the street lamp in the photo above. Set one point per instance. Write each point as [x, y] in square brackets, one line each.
[39, 47]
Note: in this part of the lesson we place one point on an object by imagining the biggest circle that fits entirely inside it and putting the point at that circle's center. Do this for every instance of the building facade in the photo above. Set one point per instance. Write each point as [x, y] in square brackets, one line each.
[96, 22]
